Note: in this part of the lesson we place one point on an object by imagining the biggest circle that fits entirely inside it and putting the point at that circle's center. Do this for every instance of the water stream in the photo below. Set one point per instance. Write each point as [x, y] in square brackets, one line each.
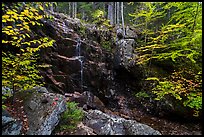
[80, 59]
[78, 55]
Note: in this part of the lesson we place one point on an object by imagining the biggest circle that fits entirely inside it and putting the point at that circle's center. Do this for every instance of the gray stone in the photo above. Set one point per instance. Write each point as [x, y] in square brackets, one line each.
[124, 53]
[6, 118]
[52, 120]
[10, 126]
[105, 124]
[42, 117]
[43, 120]
[83, 130]
[135, 128]
[41, 89]
[13, 128]
[33, 105]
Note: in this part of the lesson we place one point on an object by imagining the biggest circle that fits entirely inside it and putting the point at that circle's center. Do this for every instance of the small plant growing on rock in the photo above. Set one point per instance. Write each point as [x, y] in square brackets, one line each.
[142, 94]
[71, 117]
[106, 45]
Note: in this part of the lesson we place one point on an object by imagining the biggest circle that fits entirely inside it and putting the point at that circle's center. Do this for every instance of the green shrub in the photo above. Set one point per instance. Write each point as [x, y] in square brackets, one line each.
[188, 91]
[71, 117]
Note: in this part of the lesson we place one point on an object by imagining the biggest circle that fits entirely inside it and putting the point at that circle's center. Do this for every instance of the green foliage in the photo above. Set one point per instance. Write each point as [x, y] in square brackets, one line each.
[106, 45]
[19, 68]
[99, 19]
[185, 90]
[142, 94]
[194, 101]
[98, 14]
[176, 44]
[164, 88]
[71, 117]
[180, 39]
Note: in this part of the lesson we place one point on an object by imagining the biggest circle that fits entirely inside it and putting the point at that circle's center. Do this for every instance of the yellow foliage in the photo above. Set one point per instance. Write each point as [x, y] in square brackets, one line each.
[20, 69]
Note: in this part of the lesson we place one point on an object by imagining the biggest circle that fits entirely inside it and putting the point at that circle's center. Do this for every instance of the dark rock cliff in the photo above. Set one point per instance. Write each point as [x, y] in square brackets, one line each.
[100, 74]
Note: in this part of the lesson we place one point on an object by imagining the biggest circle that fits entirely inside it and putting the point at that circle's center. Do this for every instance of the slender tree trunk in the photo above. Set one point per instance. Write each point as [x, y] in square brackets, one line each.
[69, 11]
[115, 13]
[72, 13]
[110, 12]
[118, 11]
[75, 10]
[122, 18]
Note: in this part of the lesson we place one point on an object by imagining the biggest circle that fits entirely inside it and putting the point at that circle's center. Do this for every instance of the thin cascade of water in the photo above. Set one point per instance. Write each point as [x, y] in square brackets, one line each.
[79, 57]
[81, 72]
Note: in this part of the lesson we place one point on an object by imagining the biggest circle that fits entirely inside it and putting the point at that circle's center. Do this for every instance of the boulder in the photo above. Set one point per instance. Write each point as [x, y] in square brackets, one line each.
[86, 100]
[124, 53]
[83, 130]
[107, 124]
[43, 111]
[10, 126]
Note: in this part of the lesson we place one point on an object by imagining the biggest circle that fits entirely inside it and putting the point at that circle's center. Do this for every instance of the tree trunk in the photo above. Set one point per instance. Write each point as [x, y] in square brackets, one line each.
[122, 18]
[72, 9]
[118, 11]
[110, 12]
[115, 9]
[75, 10]
[69, 11]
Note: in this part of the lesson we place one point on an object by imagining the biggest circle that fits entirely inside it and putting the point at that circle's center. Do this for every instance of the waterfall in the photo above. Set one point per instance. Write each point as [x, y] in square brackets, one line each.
[79, 57]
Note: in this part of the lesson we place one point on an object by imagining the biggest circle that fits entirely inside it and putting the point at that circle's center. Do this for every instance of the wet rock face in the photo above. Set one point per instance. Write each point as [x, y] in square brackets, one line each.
[99, 65]
[105, 124]
[64, 74]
